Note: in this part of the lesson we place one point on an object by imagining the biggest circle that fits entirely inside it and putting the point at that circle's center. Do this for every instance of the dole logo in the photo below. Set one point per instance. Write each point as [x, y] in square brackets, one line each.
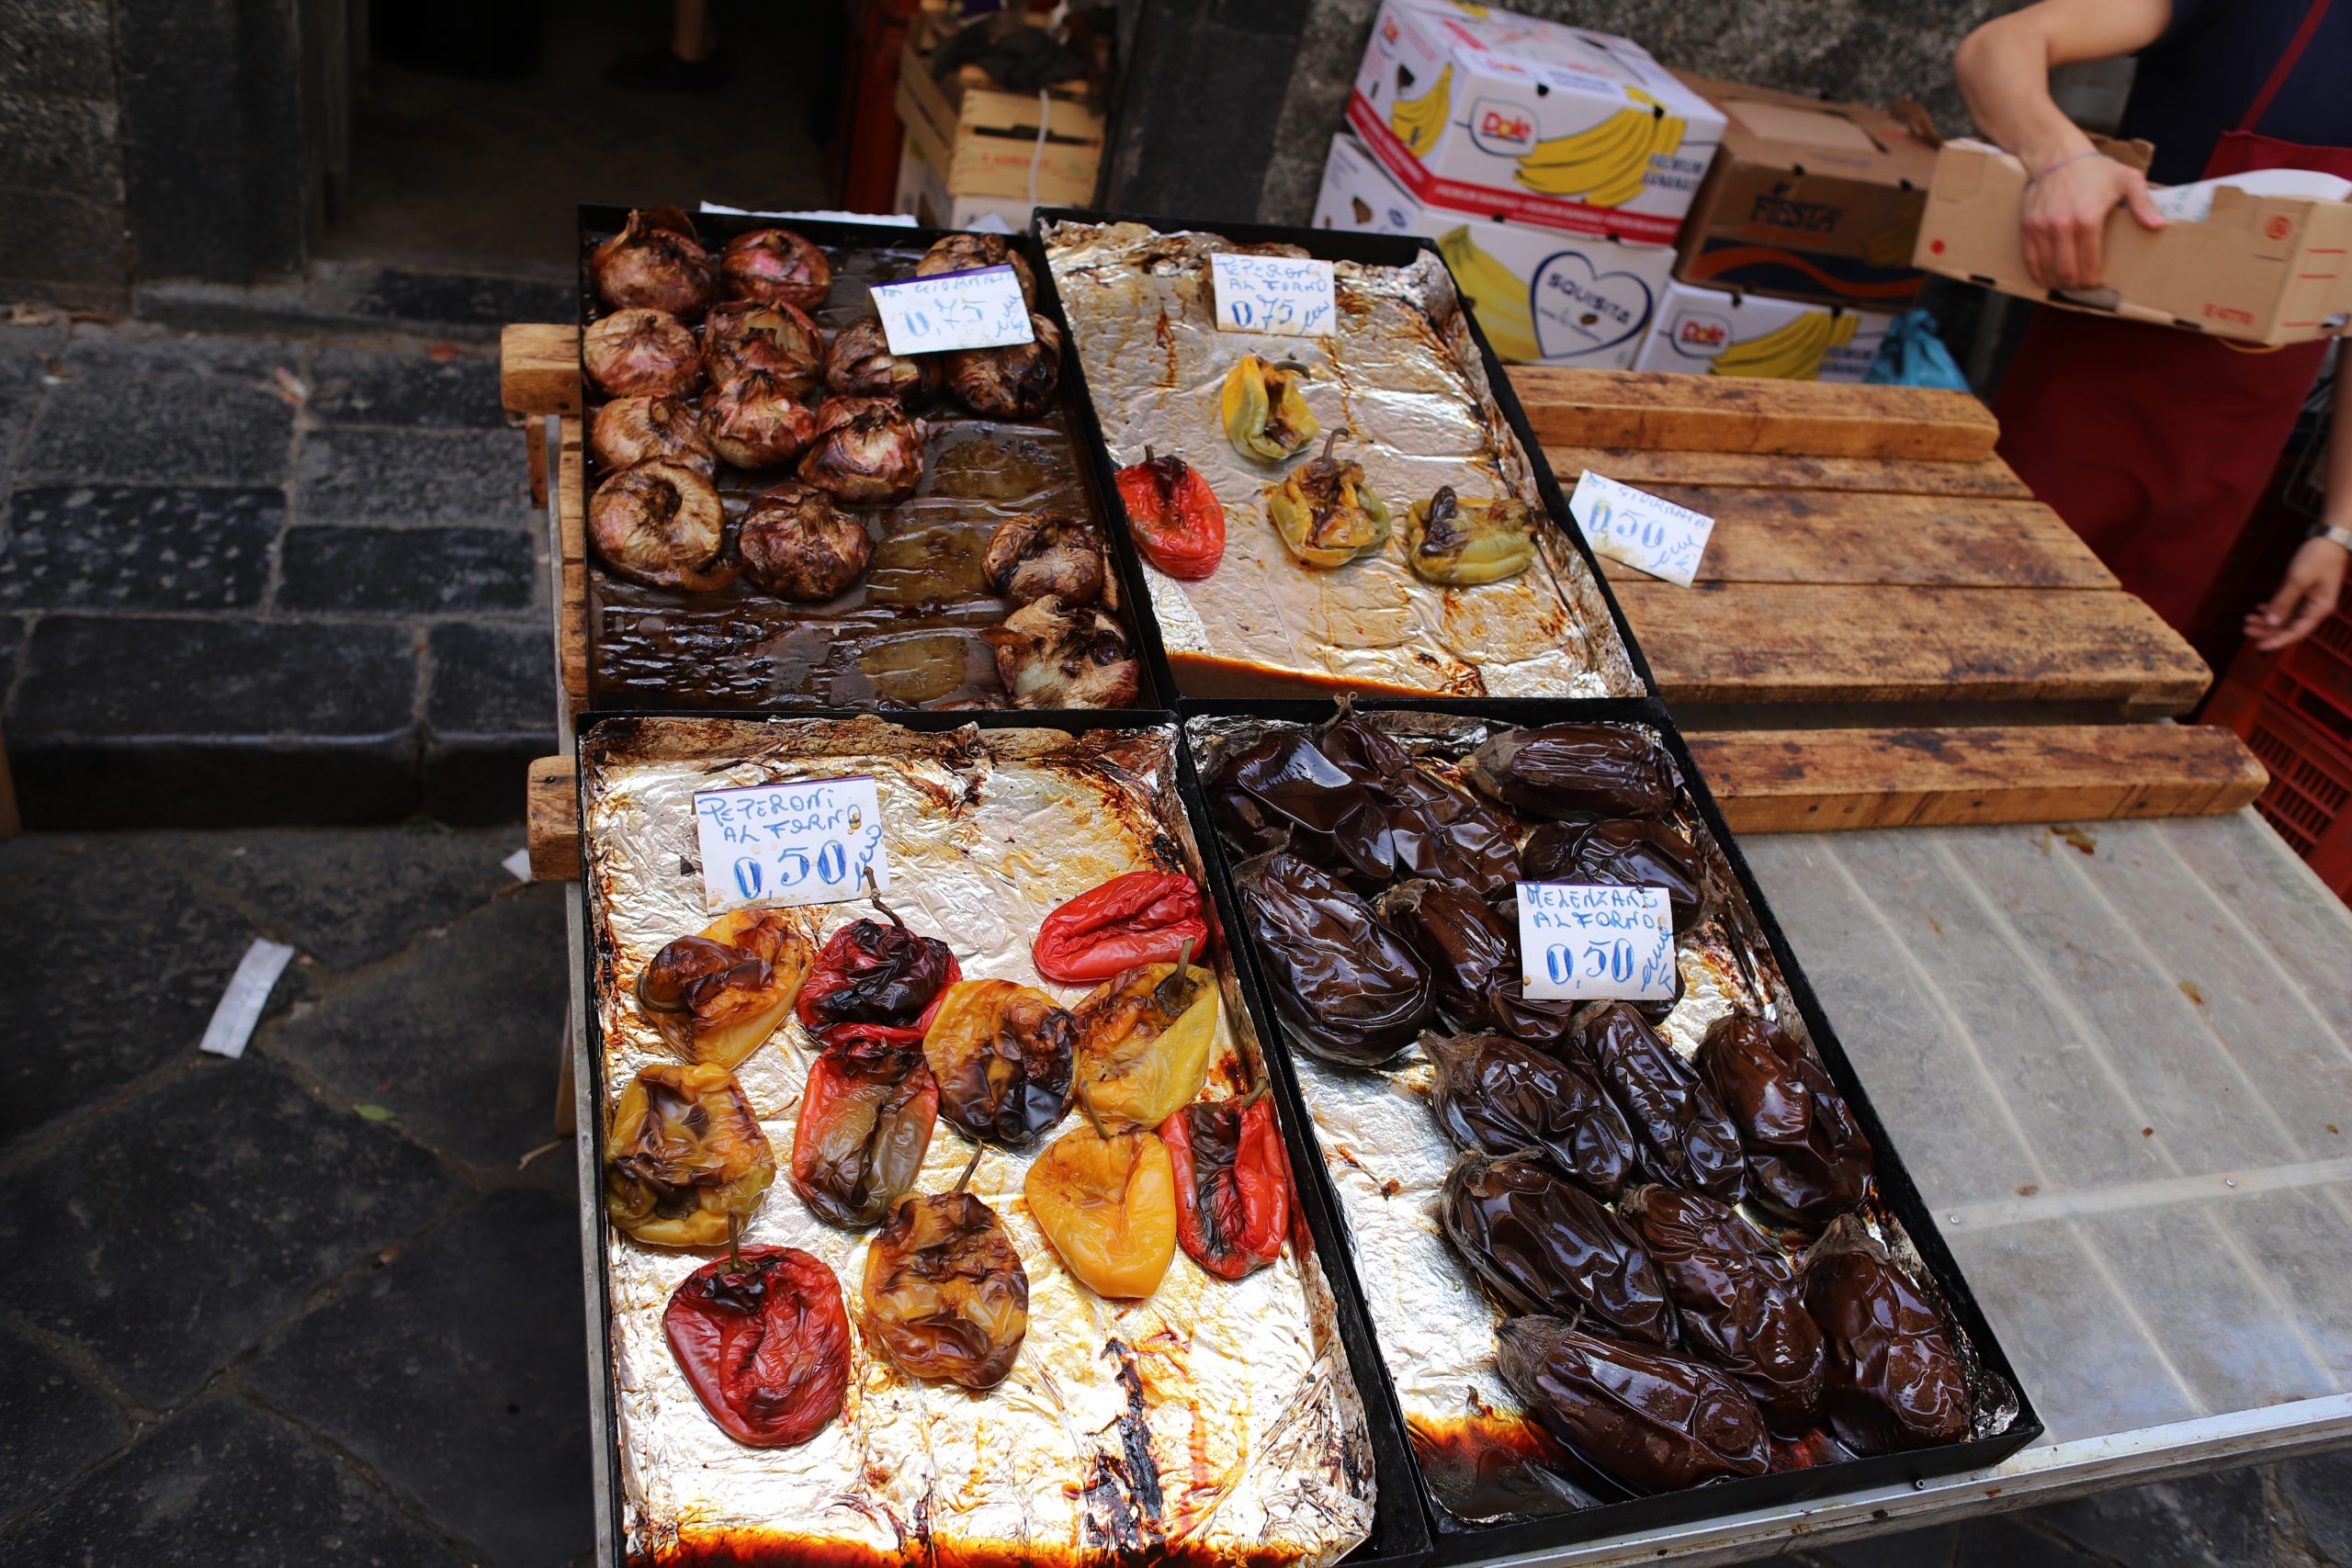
[1499, 126]
[1702, 332]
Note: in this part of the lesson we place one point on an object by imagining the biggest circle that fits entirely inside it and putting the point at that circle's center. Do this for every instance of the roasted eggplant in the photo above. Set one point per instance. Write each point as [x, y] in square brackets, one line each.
[1685, 1139]
[1347, 990]
[1541, 1244]
[1652, 1421]
[1894, 1379]
[1282, 793]
[1621, 853]
[1473, 957]
[1807, 1156]
[1495, 1096]
[1575, 770]
[1436, 829]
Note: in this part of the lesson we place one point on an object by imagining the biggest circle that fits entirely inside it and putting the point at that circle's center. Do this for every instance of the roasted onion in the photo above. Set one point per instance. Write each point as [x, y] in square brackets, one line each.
[865, 450]
[969, 252]
[1052, 655]
[776, 264]
[859, 364]
[1013, 382]
[640, 351]
[655, 263]
[660, 522]
[629, 431]
[1035, 555]
[754, 422]
[749, 335]
[794, 545]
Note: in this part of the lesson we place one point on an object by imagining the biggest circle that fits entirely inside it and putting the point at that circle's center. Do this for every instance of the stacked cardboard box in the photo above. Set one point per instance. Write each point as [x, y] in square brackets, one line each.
[974, 152]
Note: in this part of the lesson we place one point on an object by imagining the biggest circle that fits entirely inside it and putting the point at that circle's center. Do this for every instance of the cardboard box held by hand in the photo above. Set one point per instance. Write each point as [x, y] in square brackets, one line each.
[1808, 200]
[2258, 269]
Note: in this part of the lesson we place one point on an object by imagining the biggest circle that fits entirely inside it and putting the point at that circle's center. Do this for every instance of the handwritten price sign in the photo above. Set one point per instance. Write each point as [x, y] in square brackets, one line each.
[1579, 941]
[980, 308]
[1288, 296]
[1644, 531]
[810, 842]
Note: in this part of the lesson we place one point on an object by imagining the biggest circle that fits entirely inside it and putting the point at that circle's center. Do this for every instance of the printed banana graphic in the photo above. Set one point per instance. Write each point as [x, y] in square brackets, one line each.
[1418, 122]
[1792, 353]
[1494, 293]
[1605, 165]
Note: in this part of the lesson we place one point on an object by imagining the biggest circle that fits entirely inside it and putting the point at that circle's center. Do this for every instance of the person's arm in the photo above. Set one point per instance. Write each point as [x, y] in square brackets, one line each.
[2003, 70]
[2314, 578]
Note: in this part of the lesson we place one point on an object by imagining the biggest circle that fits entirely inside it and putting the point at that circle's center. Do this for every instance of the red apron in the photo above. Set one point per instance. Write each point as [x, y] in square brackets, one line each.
[2155, 443]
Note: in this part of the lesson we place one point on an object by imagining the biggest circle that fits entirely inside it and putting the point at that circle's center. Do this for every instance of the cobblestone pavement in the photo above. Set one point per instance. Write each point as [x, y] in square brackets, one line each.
[322, 1303]
[297, 577]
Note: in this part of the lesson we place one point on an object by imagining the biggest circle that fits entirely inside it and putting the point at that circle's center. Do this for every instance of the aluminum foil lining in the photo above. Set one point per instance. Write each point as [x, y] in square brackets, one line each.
[1480, 1452]
[1404, 379]
[1249, 1439]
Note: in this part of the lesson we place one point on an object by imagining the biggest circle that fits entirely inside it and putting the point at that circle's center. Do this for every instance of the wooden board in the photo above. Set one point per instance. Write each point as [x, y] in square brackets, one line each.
[1987, 477]
[1769, 642]
[551, 818]
[1774, 536]
[572, 545]
[1788, 781]
[1663, 411]
[538, 367]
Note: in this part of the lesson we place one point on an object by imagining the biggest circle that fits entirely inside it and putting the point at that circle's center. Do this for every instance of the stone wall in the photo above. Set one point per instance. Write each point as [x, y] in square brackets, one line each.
[63, 228]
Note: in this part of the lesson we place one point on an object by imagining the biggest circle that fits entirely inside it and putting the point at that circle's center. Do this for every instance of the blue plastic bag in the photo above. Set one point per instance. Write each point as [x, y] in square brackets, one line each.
[1913, 355]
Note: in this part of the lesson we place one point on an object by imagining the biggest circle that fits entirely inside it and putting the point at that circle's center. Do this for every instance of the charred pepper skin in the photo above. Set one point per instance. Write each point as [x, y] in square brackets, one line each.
[1654, 1421]
[1541, 1244]
[876, 983]
[1265, 414]
[717, 996]
[1233, 1197]
[1738, 1301]
[944, 1297]
[764, 1344]
[1685, 1139]
[1139, 1063]
[1894, 1379]
[1176, 519]
[863, 1126]
[1494, 1095]
[1807, 1156]
[1005, 1056]
[1347, 990]
[685, 1156]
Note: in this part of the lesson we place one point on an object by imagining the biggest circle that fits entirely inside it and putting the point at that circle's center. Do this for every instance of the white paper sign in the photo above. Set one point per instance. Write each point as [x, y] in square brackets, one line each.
[1288, 296]
[1644, 531]
[809, 842]
[1582, 941]
[980, 308]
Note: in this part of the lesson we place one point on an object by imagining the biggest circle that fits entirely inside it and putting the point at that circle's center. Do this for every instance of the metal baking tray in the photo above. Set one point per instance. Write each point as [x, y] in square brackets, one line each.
[1373, 1456]
[892, 641]
[1410, 448]
[1385, 1241]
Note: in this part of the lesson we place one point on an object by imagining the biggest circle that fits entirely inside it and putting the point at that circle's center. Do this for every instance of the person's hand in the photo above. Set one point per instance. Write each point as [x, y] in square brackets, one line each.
[2065, 218]
[2315, 581]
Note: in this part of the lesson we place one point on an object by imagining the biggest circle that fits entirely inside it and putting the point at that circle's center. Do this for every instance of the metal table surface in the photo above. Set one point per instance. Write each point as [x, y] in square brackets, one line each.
[2119, 1062]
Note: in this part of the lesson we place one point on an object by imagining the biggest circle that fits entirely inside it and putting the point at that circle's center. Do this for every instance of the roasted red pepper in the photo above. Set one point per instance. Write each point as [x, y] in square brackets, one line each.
[1144, 917]
[1176, 518]
[877, 984]
[1232, 1183]
[864, 1124]
[763, 1340]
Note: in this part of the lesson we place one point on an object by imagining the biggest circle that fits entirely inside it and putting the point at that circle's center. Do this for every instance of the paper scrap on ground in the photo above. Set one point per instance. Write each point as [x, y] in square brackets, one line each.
[518, 864]
[1288, 296]
[1646, 531]
[1586, 942]
[980, 308]
[247, 993]
[807, 842]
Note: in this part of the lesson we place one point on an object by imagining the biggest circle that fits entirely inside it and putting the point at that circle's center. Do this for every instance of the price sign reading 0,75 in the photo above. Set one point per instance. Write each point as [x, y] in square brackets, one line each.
[813, 841]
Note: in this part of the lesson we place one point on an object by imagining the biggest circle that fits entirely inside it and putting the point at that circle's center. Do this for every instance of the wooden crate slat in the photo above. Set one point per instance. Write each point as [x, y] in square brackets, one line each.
[1765, 536]
[572, 538]
[1723, 413]
[538, 367]
[1786, 780]
[1765, 642]
[1987, 477]
[551, 818]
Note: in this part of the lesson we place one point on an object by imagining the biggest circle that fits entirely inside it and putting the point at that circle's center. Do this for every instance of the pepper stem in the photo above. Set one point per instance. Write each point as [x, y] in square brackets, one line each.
[969, 1166]
[873, 896]
[1256, 1091]
[734, 1243]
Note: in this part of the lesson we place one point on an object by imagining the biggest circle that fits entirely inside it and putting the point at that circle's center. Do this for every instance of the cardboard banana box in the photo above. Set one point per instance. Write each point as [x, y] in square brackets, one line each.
[1477, 111]
[1543, 298]
[1710, 332]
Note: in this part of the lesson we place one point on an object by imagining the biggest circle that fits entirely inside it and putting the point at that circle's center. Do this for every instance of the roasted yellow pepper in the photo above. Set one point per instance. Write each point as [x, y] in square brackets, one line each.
[1109, 1207]
[1266, 416]
[1326, 515]
[685, 1156]
[1144, 1038]
[717, 995]
[1462, 543]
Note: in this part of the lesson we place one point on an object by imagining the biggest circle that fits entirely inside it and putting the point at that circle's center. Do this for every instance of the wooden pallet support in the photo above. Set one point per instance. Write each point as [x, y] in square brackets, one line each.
[1669, 412]
[538, 367]
[551, 818]
[1988, 478]
[1791, 780]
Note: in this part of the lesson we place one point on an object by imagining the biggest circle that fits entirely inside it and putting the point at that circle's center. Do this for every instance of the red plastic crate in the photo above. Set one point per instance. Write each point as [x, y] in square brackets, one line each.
[2310, 798]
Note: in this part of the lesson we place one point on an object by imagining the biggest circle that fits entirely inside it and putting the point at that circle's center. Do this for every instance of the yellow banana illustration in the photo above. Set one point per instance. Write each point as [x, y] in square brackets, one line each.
[1477, 13]
[1418, 122]
[1606, 165]
[1789, 353]
[1495, 294]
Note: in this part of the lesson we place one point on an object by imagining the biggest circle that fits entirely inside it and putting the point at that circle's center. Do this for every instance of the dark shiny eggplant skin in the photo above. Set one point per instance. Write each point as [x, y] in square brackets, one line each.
[1494, 1095]
[1474, 958]
[1435, 829]
[1894, 1379]
[1541, 1244]
[1655, 1422]
[1283, 794]
[1623, 853]
[1575, 770]
[1685, 1139]
[1737, 1300]
[1807, 1156]
[1347, 990]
